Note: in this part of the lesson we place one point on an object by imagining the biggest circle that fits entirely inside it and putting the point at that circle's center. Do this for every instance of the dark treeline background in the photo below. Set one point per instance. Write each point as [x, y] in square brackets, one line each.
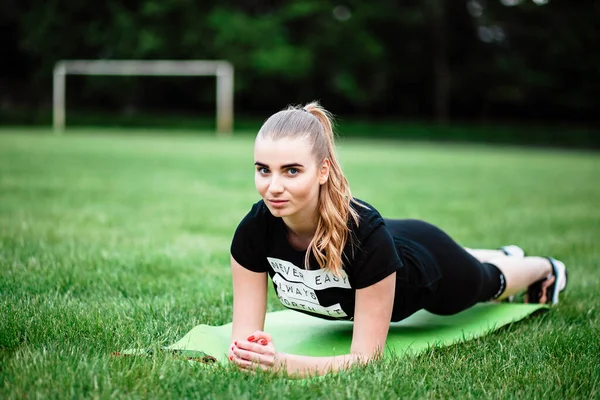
[461, 60]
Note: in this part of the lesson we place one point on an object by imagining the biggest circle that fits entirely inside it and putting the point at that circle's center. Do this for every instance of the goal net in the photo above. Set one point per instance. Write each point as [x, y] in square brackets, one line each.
[222, 70]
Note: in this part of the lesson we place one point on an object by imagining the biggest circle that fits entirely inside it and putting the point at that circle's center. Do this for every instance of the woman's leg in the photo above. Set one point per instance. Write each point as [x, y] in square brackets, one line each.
[520, 273]
[518, 270]
[484, 255]
[465, 280]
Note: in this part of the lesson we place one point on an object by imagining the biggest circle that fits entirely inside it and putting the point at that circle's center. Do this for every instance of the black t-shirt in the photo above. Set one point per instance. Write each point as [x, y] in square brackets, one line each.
[260, 244]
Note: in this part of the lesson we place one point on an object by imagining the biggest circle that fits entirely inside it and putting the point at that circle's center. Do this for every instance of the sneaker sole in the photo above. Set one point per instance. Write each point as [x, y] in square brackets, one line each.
[560, 272]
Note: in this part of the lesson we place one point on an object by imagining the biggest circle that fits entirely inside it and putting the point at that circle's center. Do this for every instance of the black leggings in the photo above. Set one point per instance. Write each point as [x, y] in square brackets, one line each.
[463, 280]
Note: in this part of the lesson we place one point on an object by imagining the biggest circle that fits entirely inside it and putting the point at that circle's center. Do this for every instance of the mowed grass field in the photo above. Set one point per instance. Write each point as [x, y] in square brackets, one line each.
[115, 239]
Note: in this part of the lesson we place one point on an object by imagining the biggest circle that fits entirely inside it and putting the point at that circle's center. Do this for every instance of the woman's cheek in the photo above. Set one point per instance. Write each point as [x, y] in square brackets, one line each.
[303, 187]
[261, 185]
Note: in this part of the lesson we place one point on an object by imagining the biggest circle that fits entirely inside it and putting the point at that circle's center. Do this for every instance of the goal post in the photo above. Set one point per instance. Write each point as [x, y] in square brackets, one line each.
[223, 71]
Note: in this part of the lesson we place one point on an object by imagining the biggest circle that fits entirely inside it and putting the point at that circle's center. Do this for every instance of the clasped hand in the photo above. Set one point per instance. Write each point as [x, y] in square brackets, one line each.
[256, 352]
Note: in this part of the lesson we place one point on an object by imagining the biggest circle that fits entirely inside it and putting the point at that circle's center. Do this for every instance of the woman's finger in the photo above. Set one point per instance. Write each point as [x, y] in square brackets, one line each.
[250, 356]
[257, 347]
[249, 366]
[260, 337]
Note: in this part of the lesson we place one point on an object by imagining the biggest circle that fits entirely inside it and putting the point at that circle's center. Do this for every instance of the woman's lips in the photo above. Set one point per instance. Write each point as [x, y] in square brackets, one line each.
[278, 203]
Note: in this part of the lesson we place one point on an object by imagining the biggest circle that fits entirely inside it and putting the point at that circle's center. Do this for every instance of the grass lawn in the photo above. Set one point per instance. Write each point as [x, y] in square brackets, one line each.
[117, 239]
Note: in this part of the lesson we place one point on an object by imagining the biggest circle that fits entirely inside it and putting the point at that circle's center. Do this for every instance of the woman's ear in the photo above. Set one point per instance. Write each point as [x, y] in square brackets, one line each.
[324, 171]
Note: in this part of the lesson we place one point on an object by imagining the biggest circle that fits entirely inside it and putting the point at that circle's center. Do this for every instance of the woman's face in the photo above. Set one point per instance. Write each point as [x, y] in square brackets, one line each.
[288, 177]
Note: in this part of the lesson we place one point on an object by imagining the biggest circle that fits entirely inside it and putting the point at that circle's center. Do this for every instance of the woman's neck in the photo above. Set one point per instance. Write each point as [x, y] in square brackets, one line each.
[301, 229]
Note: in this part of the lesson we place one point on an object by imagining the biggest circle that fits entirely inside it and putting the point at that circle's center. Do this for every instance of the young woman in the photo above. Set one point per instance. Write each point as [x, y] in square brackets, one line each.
[333, 256]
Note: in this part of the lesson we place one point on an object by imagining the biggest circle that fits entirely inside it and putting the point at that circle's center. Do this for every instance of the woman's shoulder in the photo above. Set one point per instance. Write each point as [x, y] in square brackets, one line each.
[364, 209]
[258, 210]
[369, 217]
[250, 237]
[256, 225]
[258, 215]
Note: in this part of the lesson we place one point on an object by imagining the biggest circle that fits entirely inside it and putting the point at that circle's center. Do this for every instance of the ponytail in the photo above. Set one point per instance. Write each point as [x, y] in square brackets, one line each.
[334, 206]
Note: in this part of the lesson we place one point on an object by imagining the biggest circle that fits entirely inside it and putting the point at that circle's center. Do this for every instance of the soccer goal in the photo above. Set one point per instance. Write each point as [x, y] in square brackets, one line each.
[223, 71]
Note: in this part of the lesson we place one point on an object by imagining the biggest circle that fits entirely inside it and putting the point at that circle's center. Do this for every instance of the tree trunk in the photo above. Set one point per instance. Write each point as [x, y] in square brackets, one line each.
[441, 71]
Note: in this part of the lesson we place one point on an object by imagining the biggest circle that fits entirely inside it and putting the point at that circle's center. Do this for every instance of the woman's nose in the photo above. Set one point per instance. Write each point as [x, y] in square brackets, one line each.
[275, 186]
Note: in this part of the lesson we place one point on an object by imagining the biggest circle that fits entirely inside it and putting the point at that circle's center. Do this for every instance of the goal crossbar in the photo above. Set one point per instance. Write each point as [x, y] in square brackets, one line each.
[223, 71]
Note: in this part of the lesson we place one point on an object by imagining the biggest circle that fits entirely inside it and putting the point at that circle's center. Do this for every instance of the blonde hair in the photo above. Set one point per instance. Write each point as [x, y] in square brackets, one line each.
[314, 123]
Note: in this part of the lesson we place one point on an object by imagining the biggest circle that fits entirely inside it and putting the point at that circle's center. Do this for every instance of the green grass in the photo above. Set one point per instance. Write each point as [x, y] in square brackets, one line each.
[116, 239]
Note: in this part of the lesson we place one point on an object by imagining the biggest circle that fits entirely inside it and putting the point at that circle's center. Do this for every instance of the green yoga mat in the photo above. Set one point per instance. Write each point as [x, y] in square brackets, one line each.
[297, 333]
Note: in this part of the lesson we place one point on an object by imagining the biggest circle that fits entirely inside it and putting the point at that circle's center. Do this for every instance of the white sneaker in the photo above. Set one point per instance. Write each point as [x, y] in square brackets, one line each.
[559, 272]
[513, 251]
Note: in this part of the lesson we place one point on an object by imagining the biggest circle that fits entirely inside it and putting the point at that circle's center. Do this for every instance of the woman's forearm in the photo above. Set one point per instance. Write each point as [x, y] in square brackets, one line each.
[306, 366]
[258, 351]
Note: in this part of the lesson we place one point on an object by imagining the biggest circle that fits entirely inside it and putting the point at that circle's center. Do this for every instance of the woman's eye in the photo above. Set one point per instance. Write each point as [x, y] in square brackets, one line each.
[293, 171]
[263, 170]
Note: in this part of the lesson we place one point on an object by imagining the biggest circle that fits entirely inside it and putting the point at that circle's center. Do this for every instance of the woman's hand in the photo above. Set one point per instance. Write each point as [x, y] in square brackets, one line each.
[257, 351]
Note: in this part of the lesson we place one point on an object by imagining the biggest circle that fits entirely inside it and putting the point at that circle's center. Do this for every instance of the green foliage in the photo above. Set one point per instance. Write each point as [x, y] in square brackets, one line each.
[116, 239]
[258, 44]
[370, 59]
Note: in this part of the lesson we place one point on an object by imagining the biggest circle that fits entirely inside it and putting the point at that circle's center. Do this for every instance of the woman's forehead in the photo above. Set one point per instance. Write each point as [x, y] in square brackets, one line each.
[282, 151]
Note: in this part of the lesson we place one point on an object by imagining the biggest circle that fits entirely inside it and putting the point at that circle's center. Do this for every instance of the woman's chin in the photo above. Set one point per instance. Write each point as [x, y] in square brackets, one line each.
[280, 212]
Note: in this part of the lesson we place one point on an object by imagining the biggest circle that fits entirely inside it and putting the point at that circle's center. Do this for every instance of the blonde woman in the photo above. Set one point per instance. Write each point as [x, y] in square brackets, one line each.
[333, 256]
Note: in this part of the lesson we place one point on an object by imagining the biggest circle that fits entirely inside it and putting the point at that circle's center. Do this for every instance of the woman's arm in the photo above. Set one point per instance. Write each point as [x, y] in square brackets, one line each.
[372, 315]
[249, 301]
